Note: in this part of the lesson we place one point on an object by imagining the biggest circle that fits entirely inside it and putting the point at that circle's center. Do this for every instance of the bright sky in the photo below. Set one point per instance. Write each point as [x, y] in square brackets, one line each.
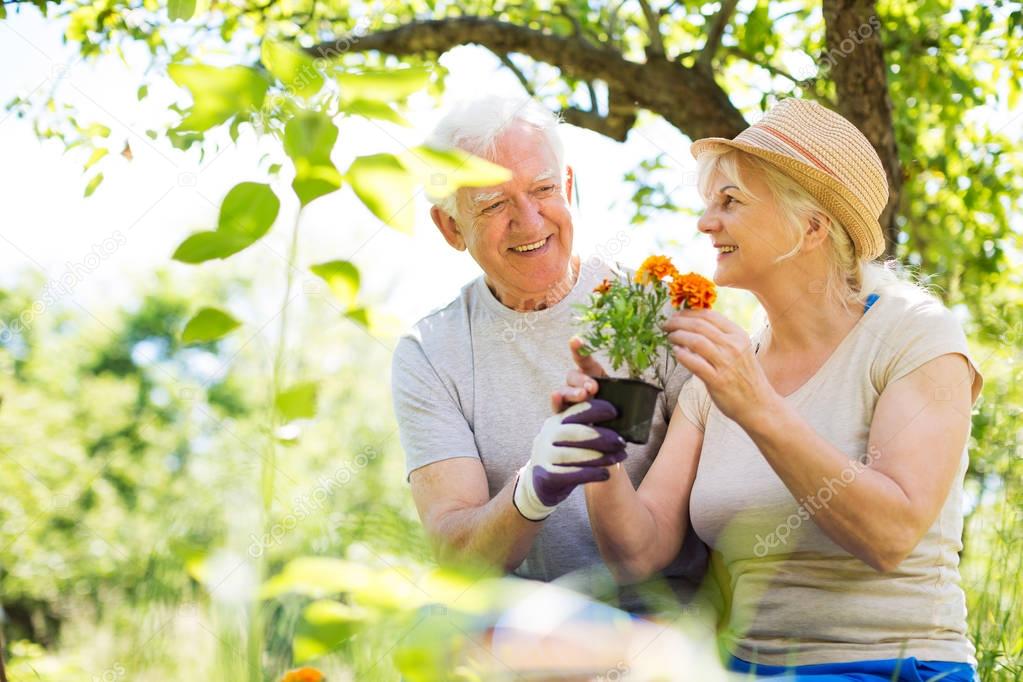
[163, 195]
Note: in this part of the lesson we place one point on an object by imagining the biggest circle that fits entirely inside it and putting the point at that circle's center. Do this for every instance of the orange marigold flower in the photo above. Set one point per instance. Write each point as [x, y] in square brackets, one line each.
[654, 269]
[303, 675]
[602, 288]
[692, 291]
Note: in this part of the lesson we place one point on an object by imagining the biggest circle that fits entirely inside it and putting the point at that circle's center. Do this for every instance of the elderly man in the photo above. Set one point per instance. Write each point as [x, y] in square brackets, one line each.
[471, 380]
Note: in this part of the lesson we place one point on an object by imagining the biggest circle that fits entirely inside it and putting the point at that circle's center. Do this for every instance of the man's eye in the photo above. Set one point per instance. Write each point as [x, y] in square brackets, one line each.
[546, 190]
[492, 208]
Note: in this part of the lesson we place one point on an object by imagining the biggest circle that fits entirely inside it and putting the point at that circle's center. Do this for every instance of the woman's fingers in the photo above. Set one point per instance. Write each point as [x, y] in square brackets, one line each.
[700, 345]
[695, 364]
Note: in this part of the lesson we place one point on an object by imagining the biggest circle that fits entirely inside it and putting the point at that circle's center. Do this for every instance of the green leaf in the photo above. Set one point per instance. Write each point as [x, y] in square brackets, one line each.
[316, 577]
[204, 246]
[297, 402]
[93, 184]
[377, 110]
[309, 138]
[325, 625]
[292, 67]
[97, 154]
[342, 277]
[757, 29]
[443, 171]
[386, 188]
[142, 92]
[359, 316]
[382, 85]
[247, 213]
[180, 9]
[3, 11]
[217, 93]
[249, 209]
[209, 324]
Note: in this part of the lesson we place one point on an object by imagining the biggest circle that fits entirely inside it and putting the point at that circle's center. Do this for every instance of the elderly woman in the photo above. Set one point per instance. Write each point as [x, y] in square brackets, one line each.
[823, 459]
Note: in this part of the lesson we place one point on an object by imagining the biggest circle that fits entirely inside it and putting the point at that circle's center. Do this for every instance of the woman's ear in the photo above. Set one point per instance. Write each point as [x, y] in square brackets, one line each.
[818, 228]
[448, 227]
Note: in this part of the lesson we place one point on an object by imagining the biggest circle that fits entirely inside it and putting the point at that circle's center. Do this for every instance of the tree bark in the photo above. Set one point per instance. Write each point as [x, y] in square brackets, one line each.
[690, 99]
[687, 97]
[855, 58]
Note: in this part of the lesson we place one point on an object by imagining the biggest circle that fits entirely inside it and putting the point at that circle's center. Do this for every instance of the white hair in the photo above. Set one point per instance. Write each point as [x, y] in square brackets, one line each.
[475, 125]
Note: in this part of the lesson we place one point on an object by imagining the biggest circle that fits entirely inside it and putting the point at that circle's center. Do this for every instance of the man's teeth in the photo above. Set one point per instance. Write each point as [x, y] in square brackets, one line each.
[728, 249]
[530, 247]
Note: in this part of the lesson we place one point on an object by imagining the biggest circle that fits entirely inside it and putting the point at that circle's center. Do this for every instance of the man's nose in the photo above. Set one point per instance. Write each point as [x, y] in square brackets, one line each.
[529, 213]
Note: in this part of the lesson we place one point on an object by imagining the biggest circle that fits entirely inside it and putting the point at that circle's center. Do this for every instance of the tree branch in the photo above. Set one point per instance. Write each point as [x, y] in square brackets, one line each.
[855, 58]
[717, 30]
[510, 65]
[653, 29]
[688, 98]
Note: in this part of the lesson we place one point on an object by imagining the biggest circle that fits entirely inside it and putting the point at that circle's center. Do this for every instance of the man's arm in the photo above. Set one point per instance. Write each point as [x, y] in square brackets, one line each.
[454, 505]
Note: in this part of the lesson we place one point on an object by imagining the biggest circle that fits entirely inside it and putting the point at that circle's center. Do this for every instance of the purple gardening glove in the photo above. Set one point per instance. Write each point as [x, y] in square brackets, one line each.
[567, 452]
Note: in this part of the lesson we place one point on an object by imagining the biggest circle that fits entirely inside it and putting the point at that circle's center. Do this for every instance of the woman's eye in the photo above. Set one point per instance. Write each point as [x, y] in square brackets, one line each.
[728, 201]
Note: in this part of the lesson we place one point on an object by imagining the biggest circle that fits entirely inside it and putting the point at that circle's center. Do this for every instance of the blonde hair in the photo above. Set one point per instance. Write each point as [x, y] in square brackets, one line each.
[850, 279]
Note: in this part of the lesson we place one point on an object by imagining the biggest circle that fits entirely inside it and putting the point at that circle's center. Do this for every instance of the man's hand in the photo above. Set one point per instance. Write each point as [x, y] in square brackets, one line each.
[580, 381]
[569, 451]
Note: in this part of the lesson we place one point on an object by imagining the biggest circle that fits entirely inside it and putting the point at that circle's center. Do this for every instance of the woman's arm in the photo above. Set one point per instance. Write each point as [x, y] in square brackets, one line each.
[878, 511]
[881, 509]
[640, 532]
[637, 532]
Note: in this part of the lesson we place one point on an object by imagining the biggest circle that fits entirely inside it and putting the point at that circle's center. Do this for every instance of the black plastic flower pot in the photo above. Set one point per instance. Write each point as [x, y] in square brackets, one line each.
[635, 401]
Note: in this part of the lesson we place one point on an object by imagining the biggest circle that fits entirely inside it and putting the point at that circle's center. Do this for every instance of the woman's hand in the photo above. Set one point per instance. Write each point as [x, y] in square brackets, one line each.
[580, 384]
[719, 352]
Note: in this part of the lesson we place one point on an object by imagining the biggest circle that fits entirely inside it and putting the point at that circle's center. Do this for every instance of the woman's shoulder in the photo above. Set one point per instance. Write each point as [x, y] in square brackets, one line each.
[906, 309]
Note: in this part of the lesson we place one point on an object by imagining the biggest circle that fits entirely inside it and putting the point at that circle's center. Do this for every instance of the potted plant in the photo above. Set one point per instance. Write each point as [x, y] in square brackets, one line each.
[624, 318]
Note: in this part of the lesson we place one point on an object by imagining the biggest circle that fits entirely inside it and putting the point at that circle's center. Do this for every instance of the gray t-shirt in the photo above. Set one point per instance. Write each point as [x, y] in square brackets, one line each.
[474, 378]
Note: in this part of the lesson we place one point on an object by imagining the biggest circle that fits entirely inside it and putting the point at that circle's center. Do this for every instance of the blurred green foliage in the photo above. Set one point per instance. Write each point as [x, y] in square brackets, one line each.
[156, 473]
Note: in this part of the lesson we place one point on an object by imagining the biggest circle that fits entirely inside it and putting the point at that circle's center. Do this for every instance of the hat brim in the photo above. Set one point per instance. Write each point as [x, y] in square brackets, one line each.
[862, 227]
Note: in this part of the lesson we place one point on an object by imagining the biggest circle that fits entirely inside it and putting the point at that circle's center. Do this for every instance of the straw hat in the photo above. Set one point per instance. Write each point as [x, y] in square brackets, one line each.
[828, 157]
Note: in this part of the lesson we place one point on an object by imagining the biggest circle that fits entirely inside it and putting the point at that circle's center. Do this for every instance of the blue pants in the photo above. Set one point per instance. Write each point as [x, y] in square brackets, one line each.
[886, 670]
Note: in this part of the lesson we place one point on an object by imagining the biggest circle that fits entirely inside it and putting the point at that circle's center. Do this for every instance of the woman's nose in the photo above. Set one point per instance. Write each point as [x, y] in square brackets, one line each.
[708, 222]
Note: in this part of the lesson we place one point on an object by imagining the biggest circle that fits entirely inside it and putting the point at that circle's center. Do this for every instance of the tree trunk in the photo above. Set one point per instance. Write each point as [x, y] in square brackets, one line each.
[855, 61]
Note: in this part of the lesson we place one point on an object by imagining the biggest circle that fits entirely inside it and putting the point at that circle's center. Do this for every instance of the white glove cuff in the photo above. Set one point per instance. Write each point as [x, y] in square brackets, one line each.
[525, 499]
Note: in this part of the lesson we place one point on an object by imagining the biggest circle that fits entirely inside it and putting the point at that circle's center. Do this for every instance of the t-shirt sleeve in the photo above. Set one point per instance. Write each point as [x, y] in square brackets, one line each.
[694, 402]
[925, 331]
[430, 421]
[673, 383]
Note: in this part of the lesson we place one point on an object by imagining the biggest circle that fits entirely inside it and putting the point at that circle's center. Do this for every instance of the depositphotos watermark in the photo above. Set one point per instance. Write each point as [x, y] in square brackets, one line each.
[854, 38]
[307, 504]
[811, 504]
[55, 289]
[603, 255]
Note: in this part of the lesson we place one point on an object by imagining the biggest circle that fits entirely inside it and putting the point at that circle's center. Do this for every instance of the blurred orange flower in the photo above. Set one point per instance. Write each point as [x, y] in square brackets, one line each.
[692, 291]
[654, 269]
[602, 287]
[303, 675]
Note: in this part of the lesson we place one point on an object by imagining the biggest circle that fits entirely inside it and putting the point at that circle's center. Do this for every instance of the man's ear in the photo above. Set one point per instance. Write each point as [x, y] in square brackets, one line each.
[818, 228]
[448, 227]
[569, 183]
